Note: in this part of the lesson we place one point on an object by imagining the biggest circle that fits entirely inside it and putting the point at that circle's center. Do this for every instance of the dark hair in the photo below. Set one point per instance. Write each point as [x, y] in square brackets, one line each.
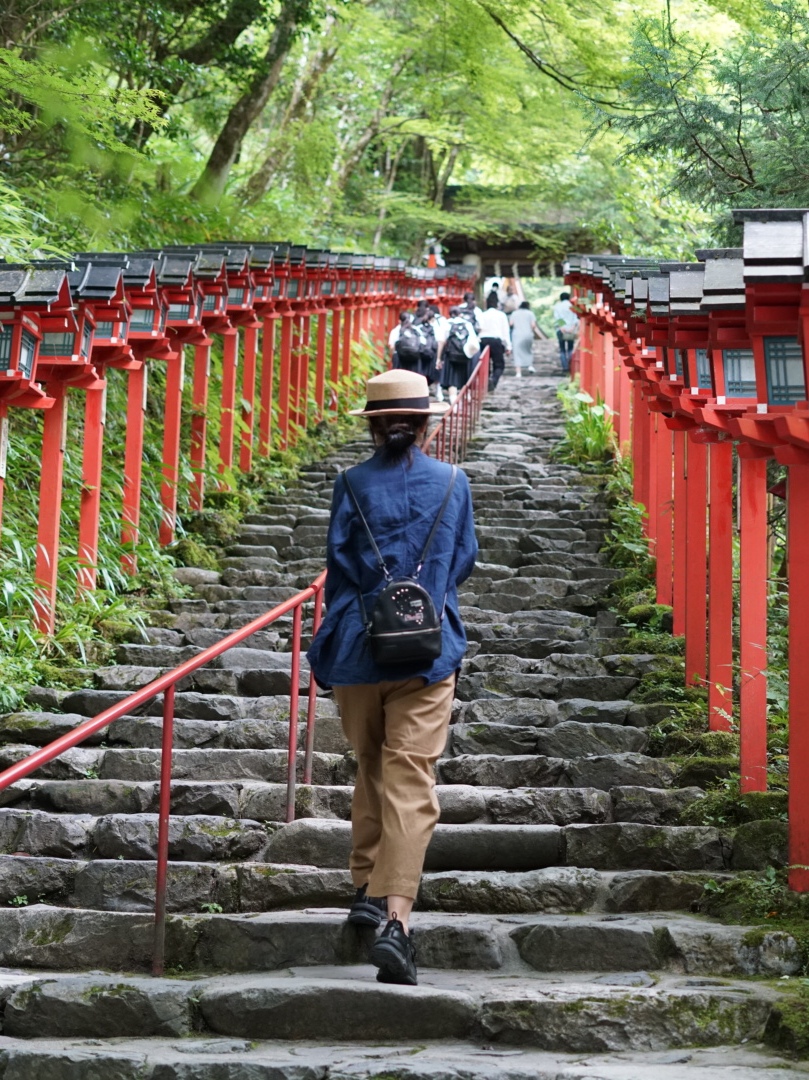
[525, 304]
[454, 311]
[469, 297]
[491, 300]
[396, 433]
[565, 296]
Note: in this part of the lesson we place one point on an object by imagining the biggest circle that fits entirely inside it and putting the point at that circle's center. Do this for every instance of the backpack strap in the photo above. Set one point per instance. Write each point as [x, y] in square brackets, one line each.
[377, 552]
[437, 521]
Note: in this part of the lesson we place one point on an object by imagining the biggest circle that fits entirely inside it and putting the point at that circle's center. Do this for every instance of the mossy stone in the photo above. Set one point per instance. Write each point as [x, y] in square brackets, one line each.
[189, 552]
[703, 771]
[759, 844]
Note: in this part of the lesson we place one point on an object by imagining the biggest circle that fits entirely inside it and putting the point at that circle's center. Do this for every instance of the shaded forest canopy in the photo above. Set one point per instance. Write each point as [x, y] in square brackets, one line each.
[375, 125]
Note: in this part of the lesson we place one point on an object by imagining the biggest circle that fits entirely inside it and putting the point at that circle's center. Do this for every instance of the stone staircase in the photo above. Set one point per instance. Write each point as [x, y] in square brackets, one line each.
[553, 925]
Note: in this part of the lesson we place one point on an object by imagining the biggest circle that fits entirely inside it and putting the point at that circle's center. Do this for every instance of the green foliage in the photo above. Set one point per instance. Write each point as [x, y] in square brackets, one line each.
[589, 435]
[731, 114]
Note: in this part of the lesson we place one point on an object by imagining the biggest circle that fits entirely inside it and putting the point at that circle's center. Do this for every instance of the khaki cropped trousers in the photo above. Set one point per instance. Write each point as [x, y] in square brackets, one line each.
[398, 731]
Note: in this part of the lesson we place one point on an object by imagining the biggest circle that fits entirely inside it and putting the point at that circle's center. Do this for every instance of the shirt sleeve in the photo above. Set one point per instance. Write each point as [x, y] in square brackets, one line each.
[466, 545]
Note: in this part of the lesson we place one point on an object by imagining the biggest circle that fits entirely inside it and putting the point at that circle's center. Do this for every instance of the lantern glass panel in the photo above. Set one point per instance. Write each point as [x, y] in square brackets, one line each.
[56, 344]
[28, 349]
[341, 287]
[179, 312]
[105, 331]
[740, 372]
[142, 320]
[236, 297]
[680, 361]
[86, 338]
[703, 369]
[198, 308]
[292, 288]
[326, 288]
[211, 303]
[783, 358]
[5, 348]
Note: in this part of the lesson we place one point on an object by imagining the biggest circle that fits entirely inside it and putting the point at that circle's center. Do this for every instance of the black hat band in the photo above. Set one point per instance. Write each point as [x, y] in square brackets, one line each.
[418, 404]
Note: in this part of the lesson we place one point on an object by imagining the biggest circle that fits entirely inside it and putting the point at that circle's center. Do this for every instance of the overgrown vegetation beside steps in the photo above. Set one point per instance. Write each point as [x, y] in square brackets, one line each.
[708, 759]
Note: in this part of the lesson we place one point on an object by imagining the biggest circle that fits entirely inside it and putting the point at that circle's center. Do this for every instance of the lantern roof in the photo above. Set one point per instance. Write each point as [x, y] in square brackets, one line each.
[96, 281]
[773, 249]
[723, 283]
[176, 269]
[34, 286]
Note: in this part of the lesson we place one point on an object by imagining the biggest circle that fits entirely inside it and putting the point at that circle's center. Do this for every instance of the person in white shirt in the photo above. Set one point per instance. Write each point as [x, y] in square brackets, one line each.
[441, 330]
[495, 333]
[566, 322]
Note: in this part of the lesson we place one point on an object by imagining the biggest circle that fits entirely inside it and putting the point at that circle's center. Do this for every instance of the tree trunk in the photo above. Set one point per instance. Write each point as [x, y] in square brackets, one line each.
[303, 92]
[444, 174]
[390, 181]
[248, 108]
[219, 37]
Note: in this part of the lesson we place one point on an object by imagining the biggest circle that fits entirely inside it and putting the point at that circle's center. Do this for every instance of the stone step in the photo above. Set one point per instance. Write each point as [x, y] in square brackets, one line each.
[203, 1056]
[127, 885]
[476, 685]
[615, 846]
[266, 802]
[604, 771]
[52, 939]
[346, 1004]
[197, 764]
[567, 739]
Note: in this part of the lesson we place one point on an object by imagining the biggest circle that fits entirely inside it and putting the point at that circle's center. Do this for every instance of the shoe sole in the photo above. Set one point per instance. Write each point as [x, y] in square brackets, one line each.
[392, 965]
[365, 915]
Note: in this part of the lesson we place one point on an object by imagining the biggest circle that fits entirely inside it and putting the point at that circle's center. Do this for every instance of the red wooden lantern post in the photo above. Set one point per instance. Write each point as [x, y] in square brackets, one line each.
[147, 338]
[64, 360]
[299, 355]
[210, 274]
[184, 299]
[262, 264]
[99, 285]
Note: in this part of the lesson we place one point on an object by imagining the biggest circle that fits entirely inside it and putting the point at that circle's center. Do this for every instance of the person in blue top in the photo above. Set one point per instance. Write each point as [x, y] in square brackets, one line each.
[395, 717]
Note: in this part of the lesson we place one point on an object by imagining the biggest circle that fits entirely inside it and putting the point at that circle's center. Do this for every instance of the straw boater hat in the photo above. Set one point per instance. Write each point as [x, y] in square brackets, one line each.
[398, 391]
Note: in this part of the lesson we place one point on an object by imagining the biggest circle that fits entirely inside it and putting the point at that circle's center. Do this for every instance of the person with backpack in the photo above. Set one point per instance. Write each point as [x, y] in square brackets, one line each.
[400, 514]
[404, 318]
[471, 311]
[429, 347]
[457, 355]
[410, 347]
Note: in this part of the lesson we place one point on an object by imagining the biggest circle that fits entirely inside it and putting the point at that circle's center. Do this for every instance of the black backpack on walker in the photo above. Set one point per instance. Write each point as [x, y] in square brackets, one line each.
[403, 626]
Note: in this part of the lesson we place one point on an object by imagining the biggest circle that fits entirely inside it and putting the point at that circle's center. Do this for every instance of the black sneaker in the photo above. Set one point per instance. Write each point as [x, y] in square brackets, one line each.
[395, 955]
[367, 910]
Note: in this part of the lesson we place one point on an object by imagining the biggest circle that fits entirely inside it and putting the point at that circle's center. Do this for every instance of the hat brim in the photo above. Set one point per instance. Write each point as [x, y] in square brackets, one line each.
[437, 408]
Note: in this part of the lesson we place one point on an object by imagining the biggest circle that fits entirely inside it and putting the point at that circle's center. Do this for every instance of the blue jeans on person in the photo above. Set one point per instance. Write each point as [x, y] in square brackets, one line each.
[565, 350]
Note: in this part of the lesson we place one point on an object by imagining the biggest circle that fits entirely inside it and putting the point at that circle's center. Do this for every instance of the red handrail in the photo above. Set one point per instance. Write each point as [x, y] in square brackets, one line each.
[166, 684]
[449, 438]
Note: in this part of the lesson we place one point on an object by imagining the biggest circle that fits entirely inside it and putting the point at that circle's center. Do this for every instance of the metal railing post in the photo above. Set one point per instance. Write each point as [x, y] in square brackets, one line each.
[164, 812]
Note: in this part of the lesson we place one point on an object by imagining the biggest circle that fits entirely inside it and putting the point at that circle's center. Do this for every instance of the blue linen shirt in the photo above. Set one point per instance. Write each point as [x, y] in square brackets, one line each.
[400, 502]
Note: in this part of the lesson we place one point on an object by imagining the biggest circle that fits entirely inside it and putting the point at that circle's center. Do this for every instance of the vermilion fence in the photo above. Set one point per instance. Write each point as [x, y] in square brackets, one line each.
[706, 367]
[64, 325]
[449, 439]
